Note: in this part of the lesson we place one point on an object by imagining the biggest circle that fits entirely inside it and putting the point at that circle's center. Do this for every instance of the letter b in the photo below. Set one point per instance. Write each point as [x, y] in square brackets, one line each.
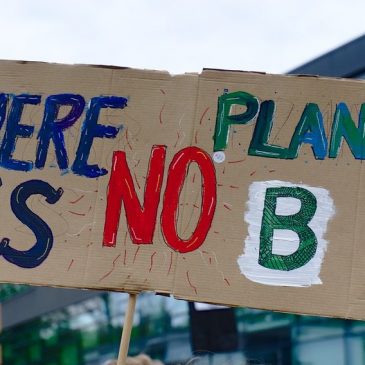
[287, 223]
[297, 222]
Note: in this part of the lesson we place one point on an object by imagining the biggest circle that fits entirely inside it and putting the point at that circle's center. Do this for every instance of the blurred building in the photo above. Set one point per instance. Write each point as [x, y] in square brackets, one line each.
[47, 326]
[345, 61]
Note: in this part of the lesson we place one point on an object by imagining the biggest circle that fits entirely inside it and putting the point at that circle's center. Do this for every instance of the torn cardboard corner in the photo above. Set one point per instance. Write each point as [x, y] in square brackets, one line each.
[232, 188]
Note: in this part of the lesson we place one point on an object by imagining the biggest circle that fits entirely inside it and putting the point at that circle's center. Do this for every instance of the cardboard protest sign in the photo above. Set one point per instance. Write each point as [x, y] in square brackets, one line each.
[225, 187]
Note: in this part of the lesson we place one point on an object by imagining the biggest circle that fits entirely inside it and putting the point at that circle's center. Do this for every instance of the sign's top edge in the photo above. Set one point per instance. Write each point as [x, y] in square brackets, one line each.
[206, 72]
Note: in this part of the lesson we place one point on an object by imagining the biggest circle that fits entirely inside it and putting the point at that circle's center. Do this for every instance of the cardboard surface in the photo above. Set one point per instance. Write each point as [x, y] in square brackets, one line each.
[66, 246]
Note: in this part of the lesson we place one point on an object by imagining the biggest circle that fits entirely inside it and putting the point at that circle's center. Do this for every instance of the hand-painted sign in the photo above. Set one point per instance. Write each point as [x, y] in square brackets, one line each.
[226, 187]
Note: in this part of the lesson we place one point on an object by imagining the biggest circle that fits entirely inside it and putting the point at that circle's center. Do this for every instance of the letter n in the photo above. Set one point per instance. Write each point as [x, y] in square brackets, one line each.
[141, 219]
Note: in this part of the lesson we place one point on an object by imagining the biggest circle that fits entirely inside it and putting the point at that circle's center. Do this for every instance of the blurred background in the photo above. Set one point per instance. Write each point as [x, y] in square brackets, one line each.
[48, 326]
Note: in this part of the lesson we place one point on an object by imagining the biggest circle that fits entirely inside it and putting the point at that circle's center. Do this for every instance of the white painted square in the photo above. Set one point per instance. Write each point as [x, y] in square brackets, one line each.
[285, 242]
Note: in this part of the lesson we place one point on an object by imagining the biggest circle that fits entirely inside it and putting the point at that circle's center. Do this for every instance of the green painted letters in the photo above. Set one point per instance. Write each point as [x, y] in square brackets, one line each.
[344, 127]
[297, 222]
[310, 130]
[259, 145]
[224, 119]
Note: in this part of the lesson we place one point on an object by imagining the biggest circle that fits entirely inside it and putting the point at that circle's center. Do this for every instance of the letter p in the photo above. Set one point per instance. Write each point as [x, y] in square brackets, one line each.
[225, 119]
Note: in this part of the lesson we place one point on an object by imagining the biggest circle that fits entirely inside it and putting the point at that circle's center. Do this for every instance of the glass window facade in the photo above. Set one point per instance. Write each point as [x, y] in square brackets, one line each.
[88, 333]
[8, 291]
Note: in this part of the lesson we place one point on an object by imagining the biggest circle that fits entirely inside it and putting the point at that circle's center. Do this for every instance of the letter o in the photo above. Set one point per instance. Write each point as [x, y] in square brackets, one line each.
[176, 177]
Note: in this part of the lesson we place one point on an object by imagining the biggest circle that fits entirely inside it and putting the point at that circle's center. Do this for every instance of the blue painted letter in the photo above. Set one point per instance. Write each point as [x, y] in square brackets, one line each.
[38, 253]
[310, 129]
[52, 128]
[3, 105]
[15, 130]
[91, 129]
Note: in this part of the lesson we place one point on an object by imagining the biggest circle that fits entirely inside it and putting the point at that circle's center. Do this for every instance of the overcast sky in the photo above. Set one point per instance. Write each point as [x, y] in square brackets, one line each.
[178, 35]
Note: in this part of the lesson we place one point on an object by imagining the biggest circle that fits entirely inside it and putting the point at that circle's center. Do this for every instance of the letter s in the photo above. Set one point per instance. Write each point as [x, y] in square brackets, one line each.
[38, 253]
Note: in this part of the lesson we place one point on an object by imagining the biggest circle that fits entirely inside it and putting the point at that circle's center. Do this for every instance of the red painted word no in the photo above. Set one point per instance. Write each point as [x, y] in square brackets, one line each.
[141, 219]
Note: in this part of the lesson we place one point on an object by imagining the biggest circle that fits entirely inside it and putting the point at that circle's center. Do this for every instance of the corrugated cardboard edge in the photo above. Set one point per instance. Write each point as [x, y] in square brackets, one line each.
[205, 74]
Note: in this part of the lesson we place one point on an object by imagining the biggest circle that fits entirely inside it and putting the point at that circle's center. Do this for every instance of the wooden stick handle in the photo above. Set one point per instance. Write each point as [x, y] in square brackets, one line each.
[127, 329]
